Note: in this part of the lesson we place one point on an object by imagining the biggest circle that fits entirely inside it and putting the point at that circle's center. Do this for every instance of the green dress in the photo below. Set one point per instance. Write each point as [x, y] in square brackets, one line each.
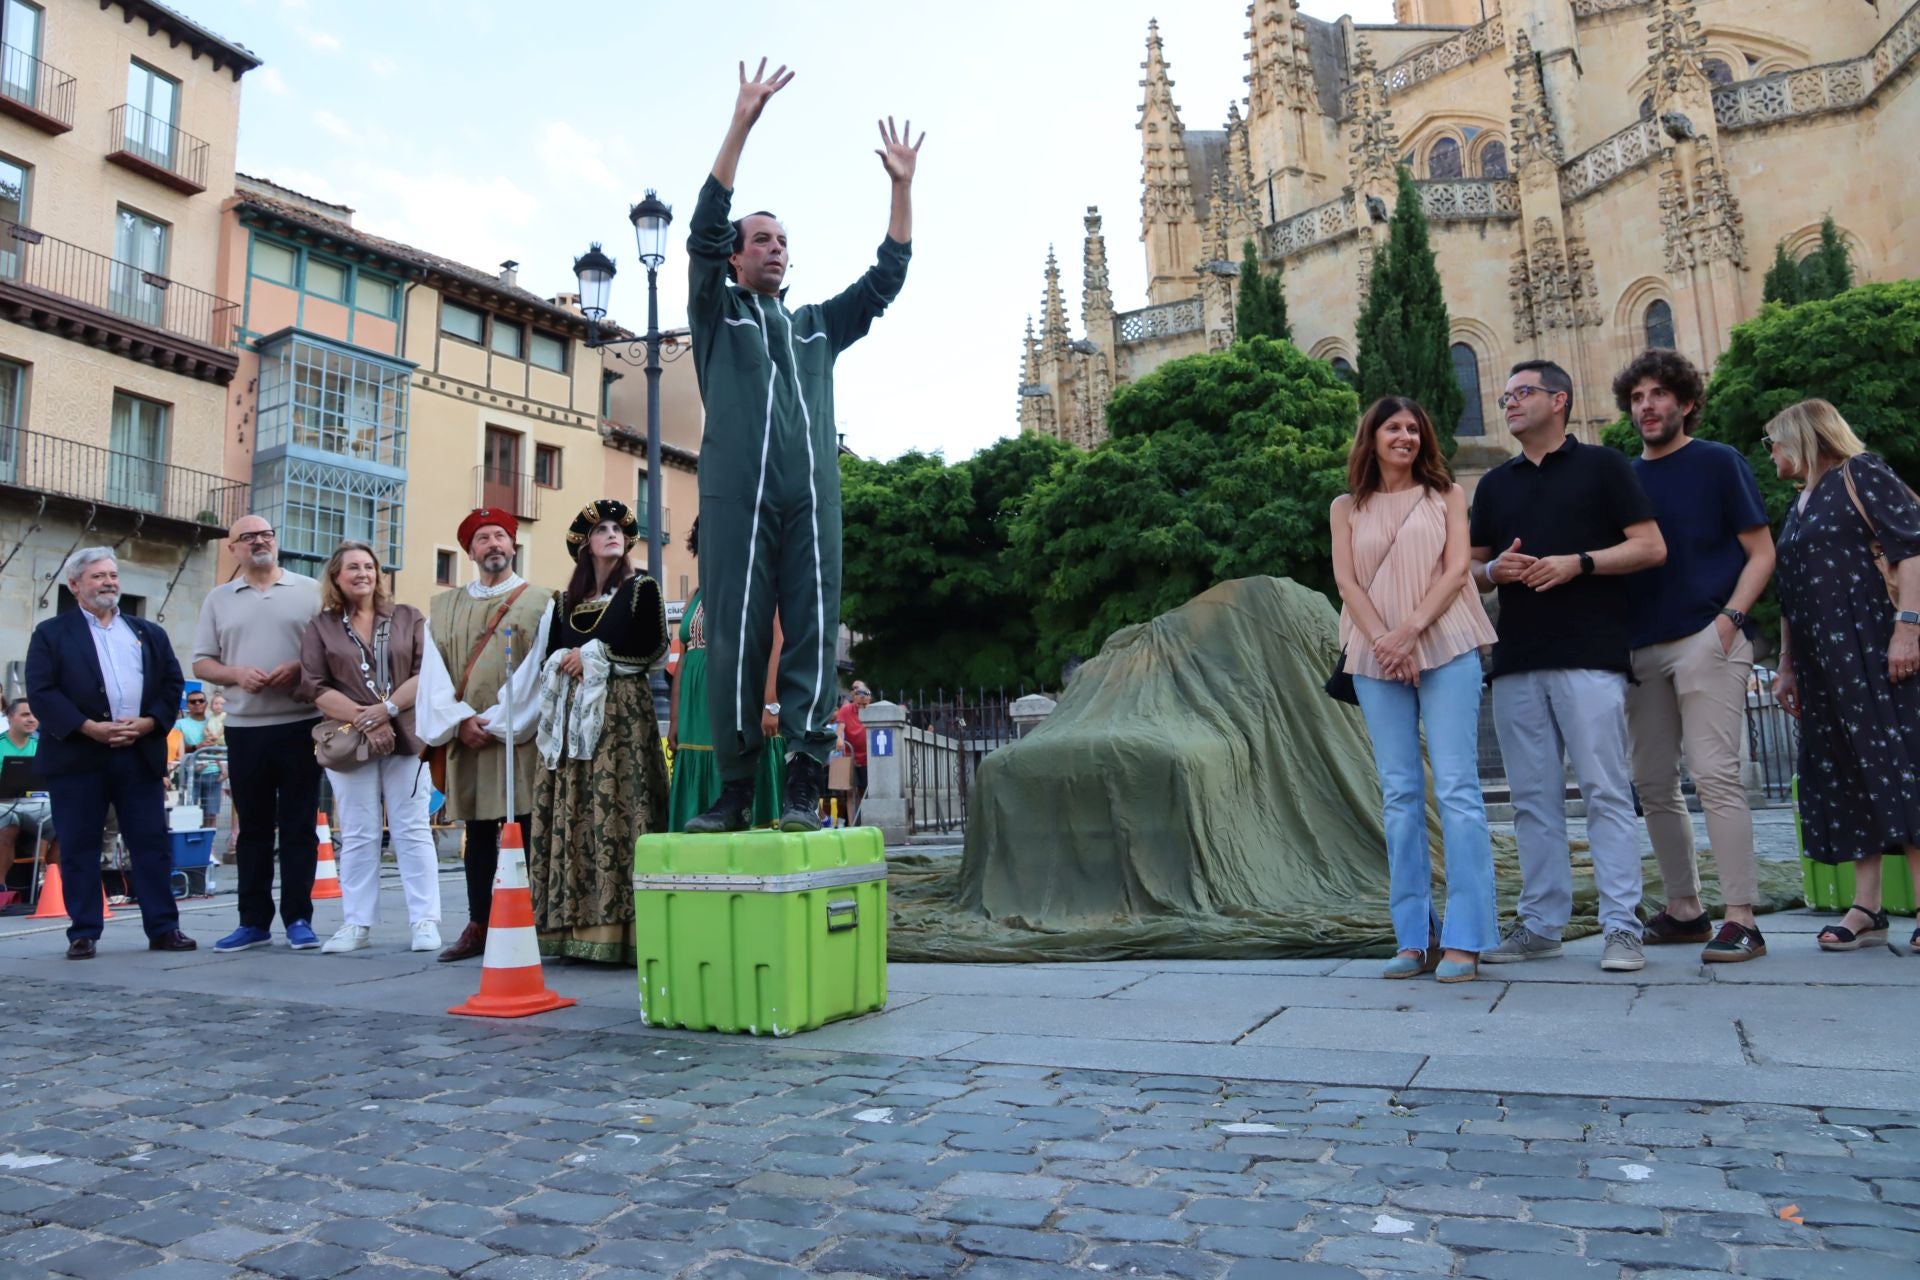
[696, 778]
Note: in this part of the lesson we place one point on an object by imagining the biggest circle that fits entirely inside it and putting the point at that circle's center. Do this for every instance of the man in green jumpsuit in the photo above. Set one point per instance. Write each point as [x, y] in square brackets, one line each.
[770, 469]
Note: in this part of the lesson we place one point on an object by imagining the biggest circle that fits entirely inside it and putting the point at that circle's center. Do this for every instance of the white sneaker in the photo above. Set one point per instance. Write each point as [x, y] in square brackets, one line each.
[426, 935]
[351, 937]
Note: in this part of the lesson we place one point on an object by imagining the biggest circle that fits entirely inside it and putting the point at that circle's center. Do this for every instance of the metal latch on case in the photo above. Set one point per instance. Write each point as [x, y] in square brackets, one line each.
[842, 914]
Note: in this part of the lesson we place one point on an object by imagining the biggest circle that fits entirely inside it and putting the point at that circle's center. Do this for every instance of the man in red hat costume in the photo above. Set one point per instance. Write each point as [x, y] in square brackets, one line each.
[459, 711]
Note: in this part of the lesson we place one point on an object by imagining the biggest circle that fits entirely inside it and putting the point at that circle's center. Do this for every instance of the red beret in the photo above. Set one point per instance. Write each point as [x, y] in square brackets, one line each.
[483, 516]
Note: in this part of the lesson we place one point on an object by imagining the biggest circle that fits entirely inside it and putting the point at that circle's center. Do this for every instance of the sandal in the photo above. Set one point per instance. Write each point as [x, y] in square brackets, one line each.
[1912, 947]
[1837, 937]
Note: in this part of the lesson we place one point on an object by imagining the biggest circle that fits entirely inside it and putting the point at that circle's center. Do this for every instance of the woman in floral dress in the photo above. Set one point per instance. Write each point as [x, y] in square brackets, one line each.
[1849, 657]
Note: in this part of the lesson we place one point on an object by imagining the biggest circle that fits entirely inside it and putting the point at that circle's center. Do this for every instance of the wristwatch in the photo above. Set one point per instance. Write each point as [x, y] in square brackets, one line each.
[1740, 619]
[1908, 616]
[1586, 563]
[772, 708]
[393, 712]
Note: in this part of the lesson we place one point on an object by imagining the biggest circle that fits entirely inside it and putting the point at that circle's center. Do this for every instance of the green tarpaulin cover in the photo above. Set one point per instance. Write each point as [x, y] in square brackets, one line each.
[1196, 794]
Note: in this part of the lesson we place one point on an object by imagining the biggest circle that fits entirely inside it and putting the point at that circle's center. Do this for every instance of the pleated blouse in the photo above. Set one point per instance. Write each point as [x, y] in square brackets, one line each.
[1398, 542]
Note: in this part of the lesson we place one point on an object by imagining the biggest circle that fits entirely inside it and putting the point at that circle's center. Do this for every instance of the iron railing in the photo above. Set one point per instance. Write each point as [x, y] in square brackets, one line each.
[153, 141]
[65, 468]
[945, 739]
[42, 89]
[506, 489]
[39, 261]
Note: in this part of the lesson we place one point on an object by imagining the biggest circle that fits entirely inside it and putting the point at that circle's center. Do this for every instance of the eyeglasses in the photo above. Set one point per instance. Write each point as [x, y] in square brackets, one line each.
[1771, 442]
[1520, 393]
[196, 702]
[248, 539]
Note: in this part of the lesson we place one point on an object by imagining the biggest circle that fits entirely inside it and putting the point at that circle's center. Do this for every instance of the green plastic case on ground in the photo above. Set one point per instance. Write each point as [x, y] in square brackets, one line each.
[768, 932]
[1830, 888]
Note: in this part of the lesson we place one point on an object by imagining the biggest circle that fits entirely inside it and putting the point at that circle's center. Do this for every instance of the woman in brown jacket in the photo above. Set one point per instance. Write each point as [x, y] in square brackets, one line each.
[360, 665]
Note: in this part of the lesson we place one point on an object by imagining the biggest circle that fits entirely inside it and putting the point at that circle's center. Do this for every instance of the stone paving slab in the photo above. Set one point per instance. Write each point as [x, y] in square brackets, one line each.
[1504, 1034]
[1240, 1061]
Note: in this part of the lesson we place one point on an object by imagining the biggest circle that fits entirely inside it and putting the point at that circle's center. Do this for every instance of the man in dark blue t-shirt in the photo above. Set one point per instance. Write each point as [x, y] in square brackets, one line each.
[1693, 652]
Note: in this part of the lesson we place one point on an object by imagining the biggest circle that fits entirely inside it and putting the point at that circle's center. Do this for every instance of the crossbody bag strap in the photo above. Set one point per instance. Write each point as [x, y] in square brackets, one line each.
[1368, 589]
[480, 645]
[1853, 496]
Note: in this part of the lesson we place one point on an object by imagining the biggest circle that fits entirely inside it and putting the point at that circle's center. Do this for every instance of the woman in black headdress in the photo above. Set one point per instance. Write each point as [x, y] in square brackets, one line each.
[605, 780]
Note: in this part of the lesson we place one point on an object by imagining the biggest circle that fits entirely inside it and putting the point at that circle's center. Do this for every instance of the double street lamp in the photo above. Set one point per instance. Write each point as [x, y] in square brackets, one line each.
[594, 271]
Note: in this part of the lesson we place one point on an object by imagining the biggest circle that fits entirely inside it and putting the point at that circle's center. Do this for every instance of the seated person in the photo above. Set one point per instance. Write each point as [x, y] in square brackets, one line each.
[24, 818]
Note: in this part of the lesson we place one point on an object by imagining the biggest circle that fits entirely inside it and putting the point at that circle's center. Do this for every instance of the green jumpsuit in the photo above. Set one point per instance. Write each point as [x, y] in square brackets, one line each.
[770, 487]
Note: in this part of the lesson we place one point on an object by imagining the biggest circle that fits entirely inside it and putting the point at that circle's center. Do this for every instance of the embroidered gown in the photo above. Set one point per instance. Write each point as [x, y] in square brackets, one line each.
[696, 779]
[588, 813]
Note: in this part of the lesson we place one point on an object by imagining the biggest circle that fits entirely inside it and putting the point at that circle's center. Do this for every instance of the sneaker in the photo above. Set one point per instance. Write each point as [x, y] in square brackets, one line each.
[733, 811]
[806, 779]
[1733, 944]
[1624, 952]
[351, 937]
[300, 936]
[1663, 930]
[426, 935]
[244, 937]
[1521, 943]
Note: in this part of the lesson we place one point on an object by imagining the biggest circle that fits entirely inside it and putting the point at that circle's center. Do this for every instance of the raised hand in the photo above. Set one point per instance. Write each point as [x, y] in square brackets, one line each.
[896, 153]
[755, 92]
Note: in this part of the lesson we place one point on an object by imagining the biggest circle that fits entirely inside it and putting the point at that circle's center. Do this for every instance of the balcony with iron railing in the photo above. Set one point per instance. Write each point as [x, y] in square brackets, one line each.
[506, 489]
[56, 467]
[54, 285]
[162, 151]
[32, 91]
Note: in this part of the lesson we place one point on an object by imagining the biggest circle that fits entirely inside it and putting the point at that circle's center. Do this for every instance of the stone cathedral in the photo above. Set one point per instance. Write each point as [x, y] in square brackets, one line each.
[1599, 176]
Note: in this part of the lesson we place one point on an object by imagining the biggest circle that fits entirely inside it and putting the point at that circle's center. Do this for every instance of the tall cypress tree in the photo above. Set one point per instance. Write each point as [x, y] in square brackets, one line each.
[1783, 278]
[1405, 338]
[1836, 267]
[1262, 310]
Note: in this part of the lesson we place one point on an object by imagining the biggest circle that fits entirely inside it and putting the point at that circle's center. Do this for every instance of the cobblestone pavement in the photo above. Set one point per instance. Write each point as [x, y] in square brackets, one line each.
[172, 1136]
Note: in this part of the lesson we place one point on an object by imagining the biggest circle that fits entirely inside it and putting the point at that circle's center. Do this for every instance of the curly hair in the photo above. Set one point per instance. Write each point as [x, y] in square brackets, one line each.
[1671, 370]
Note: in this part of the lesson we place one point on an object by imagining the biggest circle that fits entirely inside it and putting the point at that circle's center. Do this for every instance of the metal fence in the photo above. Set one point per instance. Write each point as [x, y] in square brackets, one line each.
[36, 260]
[68, 469]
[947, 735]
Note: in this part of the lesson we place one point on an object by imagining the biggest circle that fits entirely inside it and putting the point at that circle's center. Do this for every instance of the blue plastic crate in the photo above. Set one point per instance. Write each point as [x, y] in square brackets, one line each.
[192, 848]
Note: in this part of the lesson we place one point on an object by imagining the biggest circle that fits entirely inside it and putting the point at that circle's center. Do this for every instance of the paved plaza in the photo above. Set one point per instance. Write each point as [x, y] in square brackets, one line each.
[196, 1117]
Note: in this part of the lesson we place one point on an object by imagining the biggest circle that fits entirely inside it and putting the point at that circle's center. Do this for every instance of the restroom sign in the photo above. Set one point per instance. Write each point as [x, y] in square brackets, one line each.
[881, 742]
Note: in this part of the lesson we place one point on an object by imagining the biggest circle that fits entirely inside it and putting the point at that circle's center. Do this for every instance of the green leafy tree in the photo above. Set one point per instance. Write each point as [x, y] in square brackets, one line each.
[1782, 284]
[1219, 466]
[1262, 311]
[1405, 337]
[927, 581]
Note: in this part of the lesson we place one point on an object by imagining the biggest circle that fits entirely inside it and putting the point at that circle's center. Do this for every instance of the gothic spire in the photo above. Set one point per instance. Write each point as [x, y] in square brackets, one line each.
[1053, 315]
[1674, 37]
[1096, 295]
[1276, 38]
[1375, 147]
[1167, 194]
[1534, 137]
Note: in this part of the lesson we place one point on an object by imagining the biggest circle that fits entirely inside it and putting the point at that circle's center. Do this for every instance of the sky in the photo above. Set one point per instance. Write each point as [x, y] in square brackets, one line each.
[463, 128]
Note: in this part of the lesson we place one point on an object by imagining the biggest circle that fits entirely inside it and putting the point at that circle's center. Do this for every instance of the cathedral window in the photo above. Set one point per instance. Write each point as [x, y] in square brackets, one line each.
[1466, 372]
[1443, 160]
[1718, 71]
[1659, 324]
[1343, 369]
[1493, 160]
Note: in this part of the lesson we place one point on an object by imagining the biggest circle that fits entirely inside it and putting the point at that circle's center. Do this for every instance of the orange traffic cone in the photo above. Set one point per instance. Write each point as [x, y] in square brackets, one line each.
[326, 874]
[511, 984]
[53, 900]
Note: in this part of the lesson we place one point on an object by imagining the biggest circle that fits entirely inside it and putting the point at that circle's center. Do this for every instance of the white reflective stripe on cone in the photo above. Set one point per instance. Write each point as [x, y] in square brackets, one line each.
[512, 949]
[511, 873]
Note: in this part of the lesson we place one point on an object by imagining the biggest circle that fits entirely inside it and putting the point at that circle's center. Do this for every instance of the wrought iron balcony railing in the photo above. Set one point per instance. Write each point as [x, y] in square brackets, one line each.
[507, 490]
[63, 468]
[31, 90]
[34, 260]
[167, 154]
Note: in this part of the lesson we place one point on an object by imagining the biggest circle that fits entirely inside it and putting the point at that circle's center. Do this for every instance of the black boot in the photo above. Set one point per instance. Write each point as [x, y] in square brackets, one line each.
[806, 779]
[733, 811]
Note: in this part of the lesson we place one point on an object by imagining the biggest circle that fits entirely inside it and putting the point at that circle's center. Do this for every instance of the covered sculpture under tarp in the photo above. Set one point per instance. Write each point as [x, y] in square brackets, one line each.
[1195, 794]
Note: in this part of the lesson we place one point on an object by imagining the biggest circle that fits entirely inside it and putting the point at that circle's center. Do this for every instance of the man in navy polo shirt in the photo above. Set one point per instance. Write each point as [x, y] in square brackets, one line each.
[1693, 653]
[1556, 530]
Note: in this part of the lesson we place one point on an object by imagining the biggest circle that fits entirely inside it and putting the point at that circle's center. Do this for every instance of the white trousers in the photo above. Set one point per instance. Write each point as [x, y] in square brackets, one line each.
[400, 782]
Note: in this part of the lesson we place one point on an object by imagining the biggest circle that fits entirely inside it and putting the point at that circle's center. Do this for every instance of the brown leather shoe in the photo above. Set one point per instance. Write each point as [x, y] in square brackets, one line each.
[1665, 931]
[80, 949]
[175, 941]
[471, 942]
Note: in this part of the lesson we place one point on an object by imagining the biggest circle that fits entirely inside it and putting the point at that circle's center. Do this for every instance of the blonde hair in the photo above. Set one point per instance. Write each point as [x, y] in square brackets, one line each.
[332, 599]
[1813, 429]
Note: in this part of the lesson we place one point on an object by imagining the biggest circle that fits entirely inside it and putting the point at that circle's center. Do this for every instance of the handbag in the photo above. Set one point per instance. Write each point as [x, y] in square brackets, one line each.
[436, 757]
[1340, 686]
[1888, 573]
[339, 746]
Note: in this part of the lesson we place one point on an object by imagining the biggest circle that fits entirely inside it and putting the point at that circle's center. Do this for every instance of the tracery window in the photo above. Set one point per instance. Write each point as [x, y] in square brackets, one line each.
[1659, 324]
[1443, 160]
[1493, 160]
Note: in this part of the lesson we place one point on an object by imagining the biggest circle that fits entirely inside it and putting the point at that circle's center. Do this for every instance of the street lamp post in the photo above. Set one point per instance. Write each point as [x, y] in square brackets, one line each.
[594, 271]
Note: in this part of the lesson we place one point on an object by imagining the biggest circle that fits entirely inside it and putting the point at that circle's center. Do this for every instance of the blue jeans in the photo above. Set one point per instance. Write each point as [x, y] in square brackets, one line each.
[1447, 704]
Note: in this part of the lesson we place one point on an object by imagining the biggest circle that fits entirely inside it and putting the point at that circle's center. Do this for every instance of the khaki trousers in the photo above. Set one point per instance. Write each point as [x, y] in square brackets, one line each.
[1691, 698]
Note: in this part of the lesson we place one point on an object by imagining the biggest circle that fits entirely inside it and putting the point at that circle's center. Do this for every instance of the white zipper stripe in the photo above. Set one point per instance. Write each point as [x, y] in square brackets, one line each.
[753, 538]
[813, 509]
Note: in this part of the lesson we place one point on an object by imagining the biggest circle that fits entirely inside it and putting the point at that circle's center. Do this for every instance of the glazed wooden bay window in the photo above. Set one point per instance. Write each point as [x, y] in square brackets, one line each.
[332, 401]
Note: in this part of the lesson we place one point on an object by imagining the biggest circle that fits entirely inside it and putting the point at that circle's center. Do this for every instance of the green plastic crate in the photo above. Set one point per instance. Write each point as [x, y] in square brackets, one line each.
[767, 932]
[1830, 888]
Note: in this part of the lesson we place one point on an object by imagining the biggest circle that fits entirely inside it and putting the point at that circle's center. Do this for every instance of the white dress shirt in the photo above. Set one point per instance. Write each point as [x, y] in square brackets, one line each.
[121, 663]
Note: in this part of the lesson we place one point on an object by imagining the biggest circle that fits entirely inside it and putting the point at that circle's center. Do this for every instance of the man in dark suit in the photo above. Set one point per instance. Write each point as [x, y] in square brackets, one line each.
[106, 688]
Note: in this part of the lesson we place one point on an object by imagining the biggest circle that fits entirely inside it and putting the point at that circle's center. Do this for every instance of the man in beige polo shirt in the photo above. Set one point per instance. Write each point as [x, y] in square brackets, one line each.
[248, 641]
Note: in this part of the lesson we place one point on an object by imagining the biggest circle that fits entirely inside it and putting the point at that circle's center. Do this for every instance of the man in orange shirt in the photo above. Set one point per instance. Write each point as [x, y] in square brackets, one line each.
[853, 738]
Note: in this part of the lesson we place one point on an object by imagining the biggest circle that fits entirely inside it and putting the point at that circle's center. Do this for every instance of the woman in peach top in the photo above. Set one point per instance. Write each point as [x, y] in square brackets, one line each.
[1413, 628]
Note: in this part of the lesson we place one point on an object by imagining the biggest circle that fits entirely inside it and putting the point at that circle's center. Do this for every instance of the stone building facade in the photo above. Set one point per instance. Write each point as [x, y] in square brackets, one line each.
[1599, 175]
